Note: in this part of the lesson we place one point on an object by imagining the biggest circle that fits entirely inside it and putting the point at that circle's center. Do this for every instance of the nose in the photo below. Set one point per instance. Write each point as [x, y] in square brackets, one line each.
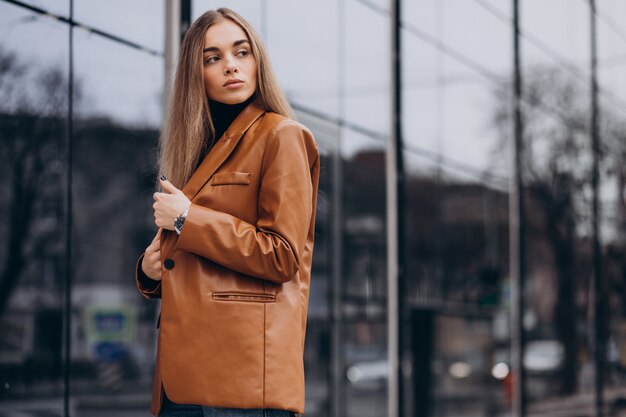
[230, 66]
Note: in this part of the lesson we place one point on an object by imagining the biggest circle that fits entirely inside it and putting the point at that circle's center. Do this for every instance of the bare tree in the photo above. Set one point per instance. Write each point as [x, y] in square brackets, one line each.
[557, 177]
[32, 134]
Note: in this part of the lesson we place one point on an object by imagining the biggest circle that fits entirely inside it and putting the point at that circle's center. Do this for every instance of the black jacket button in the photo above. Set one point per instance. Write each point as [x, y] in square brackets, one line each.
[169, 263]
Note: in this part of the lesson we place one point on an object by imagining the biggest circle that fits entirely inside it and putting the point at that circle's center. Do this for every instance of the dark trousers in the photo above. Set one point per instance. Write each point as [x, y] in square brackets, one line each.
[170, 409]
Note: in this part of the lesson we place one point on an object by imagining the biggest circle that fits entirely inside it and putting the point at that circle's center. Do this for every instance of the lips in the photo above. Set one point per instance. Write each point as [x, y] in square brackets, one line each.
[232, 81]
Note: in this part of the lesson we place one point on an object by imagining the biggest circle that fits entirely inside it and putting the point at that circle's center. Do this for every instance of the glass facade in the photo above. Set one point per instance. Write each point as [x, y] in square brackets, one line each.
[116, 129]
[117, 113]
[558, 169]
[612, 84]
[333, 59]
[456, 209]
[33, 131]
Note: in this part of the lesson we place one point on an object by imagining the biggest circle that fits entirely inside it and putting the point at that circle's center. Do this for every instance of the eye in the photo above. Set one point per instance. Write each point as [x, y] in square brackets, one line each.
[211, 59]
[243, 52]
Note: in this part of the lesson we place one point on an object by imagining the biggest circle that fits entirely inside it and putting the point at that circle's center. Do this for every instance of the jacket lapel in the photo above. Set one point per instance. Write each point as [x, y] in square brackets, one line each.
[222, 149]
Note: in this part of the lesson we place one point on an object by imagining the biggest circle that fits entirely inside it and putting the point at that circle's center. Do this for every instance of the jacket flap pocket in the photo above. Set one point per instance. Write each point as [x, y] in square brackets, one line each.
[243, 296]
[225, 178]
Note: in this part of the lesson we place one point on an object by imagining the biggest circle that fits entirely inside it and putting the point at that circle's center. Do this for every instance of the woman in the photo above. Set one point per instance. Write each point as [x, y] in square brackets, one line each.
[232, 258]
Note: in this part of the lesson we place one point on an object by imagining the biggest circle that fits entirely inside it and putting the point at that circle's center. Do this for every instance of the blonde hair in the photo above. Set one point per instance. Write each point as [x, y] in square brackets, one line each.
[189, 129]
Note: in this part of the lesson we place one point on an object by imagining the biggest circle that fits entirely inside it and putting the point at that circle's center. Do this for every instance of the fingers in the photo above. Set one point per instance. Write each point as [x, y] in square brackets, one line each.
[153, 270]
[157, 236]
[155, 245]
[168, 204]
[151, 265]
[152, 258]
[168, 186]
[167, 207]
[153, 248]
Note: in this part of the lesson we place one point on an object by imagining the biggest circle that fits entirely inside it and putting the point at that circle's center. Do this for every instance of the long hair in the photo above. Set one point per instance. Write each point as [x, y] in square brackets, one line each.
[189, 129]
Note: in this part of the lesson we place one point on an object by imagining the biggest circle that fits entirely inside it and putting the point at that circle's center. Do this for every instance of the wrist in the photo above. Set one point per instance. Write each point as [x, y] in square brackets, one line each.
[179, 221]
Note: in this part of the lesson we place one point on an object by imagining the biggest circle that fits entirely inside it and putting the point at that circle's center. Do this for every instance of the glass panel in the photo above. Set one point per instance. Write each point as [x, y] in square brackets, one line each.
[363, 283]
[57, 7]
[365, 350]
[457, 61]
[367, 77]
[611, 60]
[364, 78]
[462, 358]
[304, 52]
[117, 82]
[119, 114]
[317, 352]
[557, 174]
[251, 10]
[137, 21]
[33, 133]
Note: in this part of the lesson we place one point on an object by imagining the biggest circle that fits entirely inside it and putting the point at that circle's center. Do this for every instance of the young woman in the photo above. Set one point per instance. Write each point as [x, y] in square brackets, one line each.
[231, 260]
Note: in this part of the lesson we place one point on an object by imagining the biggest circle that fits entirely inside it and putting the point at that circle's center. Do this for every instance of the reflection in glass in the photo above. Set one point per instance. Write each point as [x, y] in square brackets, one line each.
[57, 7]
[116, 130]
[137, 21]
[367, 73]
[557, 176]
[317, 352]
[252, 10]
[307, 66]
[363, 284]
[364, 287]
[463, 360]
[122, 84]
[611, 51]
[366, 372]
[33, 130]
[456, 208]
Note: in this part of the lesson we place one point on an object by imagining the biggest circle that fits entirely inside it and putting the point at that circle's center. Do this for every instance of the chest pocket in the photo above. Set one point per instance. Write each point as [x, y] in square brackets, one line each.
[231, 178]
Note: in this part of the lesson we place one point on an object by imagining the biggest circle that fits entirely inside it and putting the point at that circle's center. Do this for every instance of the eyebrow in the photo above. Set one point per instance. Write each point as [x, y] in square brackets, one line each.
[216, 49]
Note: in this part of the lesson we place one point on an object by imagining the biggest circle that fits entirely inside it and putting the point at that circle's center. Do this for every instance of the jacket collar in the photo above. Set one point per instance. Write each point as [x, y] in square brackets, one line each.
[243, 121]
[222, 149]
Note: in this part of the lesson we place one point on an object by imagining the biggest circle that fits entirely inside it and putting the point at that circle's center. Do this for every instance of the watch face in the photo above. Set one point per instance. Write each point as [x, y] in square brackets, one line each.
[178, 223]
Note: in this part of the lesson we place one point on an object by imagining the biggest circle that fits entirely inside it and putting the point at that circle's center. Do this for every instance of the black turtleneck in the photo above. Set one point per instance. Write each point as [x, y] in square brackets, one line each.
[224, 114]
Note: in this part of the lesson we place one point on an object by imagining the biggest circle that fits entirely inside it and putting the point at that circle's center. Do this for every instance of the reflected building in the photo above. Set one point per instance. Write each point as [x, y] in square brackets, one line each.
[334, 64]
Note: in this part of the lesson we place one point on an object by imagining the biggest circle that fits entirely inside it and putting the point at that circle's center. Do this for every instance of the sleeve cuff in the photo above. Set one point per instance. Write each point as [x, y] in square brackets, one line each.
[148, 287]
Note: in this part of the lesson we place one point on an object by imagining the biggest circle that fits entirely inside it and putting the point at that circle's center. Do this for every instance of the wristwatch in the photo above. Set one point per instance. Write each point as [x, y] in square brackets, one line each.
[180, 221]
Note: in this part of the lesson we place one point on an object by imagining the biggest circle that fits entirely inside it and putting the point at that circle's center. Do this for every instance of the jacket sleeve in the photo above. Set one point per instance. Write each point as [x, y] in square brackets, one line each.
[269, 249]
[147, 286]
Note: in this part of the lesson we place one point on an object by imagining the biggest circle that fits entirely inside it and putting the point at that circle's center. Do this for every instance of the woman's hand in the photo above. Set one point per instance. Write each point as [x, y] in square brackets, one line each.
[151, 263]
[169, 205]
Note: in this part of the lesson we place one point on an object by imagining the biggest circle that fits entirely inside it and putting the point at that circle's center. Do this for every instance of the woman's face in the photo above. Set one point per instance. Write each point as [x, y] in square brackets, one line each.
[229, 66]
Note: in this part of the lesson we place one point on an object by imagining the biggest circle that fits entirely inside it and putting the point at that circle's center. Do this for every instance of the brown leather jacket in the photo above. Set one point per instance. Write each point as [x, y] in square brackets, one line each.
[235, 283]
